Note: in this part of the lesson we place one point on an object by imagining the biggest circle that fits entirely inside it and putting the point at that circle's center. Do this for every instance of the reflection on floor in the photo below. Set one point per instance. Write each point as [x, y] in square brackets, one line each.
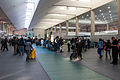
[15, 68]
[59, 68]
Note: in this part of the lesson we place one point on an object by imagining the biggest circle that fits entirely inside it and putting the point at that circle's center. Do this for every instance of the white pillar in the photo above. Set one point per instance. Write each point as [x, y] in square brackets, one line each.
[67, 30]
[55, 31]
[77, 26]
[118, 17]
[107, 27]
[60, 30]
[92, 23]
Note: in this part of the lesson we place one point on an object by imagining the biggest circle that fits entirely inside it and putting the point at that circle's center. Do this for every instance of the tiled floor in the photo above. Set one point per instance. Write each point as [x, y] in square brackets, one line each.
[15, 68]
[56, 66]
[91, 60]
[59, 68]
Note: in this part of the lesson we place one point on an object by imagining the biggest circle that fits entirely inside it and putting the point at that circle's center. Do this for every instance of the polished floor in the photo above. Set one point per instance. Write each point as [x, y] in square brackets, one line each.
[54, 66]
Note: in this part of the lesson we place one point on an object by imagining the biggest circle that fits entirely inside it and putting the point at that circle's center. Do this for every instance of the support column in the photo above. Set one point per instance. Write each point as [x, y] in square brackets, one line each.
[92, 23]
[55, 31]
[5, 28]
[60, 30]
[77, 26]
[118, 17]
[107, 27]
[2, 26]
[67, 30]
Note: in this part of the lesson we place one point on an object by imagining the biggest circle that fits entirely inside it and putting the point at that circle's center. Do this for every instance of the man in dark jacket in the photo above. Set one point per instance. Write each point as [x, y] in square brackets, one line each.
[5, 45]
[79, 49]
[114, 51]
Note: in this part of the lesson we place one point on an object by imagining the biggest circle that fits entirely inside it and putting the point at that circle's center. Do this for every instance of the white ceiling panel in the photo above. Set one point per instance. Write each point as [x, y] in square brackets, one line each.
[62, 10]
[15, 10]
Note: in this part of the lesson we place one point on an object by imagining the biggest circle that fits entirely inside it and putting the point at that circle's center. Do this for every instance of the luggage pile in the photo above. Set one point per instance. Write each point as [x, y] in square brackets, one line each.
[33, 54]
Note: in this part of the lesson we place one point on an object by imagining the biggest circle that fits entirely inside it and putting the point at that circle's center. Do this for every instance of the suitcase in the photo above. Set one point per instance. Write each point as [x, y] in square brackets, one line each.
[73, 56]
[33, 54]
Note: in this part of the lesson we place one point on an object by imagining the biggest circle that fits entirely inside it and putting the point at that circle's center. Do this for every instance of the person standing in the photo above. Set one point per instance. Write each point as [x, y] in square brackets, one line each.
[114, 51]
[119, 48]
[107, 49]
[28, 48]
[100, 48]
[79, 49]
[2, 43]
[68, 44]
[21, 46]
[5, 45]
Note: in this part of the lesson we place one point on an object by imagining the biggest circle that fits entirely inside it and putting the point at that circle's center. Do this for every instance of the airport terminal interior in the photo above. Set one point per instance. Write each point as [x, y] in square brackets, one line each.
[59, 39]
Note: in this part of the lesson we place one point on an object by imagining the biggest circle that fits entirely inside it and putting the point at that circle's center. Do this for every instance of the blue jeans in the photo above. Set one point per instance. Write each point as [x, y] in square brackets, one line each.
[28, 54]
[21, 49]
[99, 51]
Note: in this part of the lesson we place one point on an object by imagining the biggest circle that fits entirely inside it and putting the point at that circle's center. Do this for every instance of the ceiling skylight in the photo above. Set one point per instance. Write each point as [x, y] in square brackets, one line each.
[30, 9]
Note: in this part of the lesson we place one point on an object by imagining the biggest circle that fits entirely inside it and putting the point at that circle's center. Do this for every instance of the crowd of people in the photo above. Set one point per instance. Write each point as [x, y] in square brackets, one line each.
[109, 46]
[74, 45]
[20, 46]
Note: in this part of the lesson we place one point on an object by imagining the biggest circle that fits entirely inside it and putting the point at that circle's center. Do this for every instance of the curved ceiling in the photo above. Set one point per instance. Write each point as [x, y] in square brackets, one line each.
[53, 12]
[48, 13]
[16, 11]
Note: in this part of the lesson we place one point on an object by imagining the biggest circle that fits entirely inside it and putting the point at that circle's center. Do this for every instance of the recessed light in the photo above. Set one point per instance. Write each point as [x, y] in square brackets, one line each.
[100, 10]
[109, 11]
[109, 7]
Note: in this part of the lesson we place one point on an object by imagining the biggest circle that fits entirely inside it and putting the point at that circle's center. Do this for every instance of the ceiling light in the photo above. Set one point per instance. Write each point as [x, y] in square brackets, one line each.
[100, 10]
[30, 5]
[72, 0]
[84, 0]
[109, 7]
[110, 11]
[58, 14]
[63, 8]
[72, 8]
[87, 15]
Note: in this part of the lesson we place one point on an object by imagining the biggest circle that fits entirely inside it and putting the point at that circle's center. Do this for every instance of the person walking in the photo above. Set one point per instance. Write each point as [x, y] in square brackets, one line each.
[15, 45]
[28, 48]
[119, 48]
[2, 44]
[114, 51]
[21, 47]
[5, 45]
[79, 49]
[108, 48]
[100, 48]
[68, 44]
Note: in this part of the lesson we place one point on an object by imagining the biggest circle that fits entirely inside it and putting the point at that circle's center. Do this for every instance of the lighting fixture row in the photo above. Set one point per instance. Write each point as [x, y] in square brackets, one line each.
[110, 13]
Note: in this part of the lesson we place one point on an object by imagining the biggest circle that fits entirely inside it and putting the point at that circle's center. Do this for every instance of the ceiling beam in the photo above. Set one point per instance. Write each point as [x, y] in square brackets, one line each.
[74, 6]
